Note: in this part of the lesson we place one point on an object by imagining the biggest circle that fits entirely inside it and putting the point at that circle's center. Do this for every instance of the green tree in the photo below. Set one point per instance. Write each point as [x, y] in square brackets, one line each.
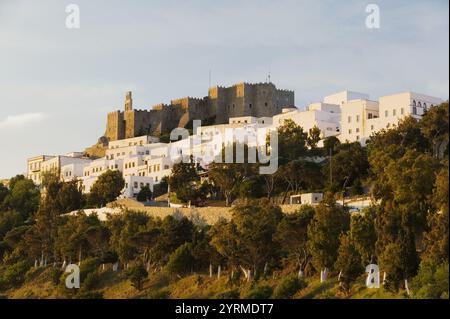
[331, 143]
[229, 176]
[225, 239]
[23, 197]
[293, 237]
[203, 252]
[81, 236]
[8, 221]
[161, 188]
[123, 229]
[391, 263]
[173, 232]
[363, 234]
[247, 240]
[292, 141]
[436, 239]
[349, 168]
[329, 222]
[399, 259]
[4, 191]
[137, 274]
[410, 179]
[107, 188]
[435, 127]
[314, 137]
[348, 262]
[14, 180]
[431, 281]
[40, 239]
[70, 197]
[145, 194]
[185, 182]
[181, 261]
[251, 188]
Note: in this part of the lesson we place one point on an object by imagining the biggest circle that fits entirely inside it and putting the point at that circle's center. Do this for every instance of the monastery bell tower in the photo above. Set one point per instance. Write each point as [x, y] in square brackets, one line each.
[128, 101]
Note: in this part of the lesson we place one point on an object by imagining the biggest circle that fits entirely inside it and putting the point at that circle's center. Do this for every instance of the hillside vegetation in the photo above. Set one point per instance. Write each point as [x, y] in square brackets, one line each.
[260, 251]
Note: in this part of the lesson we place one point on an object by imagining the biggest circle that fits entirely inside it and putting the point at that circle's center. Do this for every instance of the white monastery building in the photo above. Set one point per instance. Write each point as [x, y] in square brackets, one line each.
[144, 161]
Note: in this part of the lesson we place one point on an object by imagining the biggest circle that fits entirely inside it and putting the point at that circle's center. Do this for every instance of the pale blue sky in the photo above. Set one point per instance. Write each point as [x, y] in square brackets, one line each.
[56, 84]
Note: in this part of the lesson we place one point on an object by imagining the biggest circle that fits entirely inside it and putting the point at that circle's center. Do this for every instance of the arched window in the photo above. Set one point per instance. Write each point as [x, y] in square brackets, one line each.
[414, 102]
[420, 104]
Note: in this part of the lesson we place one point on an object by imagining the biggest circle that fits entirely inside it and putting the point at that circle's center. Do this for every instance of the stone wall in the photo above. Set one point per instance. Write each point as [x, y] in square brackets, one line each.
[204, 215]
[244, 99]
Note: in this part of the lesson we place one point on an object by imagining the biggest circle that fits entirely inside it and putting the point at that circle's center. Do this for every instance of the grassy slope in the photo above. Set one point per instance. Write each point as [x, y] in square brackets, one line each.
[114, 285]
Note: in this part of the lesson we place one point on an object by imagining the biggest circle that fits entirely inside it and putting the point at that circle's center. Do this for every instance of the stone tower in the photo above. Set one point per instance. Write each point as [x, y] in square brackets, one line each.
[128, 101]
[222, 103]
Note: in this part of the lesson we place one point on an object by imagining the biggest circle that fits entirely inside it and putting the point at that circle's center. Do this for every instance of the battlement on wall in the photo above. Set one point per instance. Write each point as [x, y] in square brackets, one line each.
[158, 107]
[144, 110]
[187, 98]
[285, 91]
[163, 117]
[220, 87]
[114, 113]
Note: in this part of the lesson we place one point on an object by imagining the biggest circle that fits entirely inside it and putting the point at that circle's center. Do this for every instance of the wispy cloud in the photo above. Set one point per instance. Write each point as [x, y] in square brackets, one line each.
[20, 120]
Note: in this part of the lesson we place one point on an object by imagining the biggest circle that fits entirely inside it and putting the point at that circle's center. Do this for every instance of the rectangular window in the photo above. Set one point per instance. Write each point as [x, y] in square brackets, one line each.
[349, 119]
[402, 111]
[357, 118]
[394, 112]
[386, 113]
[357, 130]
[349, 131]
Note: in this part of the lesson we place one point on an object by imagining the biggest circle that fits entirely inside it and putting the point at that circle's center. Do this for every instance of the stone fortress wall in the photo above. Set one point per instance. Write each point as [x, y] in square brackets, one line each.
[244, 99]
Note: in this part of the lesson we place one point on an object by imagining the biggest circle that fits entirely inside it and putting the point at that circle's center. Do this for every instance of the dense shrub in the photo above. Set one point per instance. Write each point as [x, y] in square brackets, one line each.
[162, 293]
[55, 275]
[259, 292]
[431, 282]
[137, 274]
[89, 295]
[14, 274]
[287, 287]
[87, 266]
[228, 294]
[91, 281]
[182, 260]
